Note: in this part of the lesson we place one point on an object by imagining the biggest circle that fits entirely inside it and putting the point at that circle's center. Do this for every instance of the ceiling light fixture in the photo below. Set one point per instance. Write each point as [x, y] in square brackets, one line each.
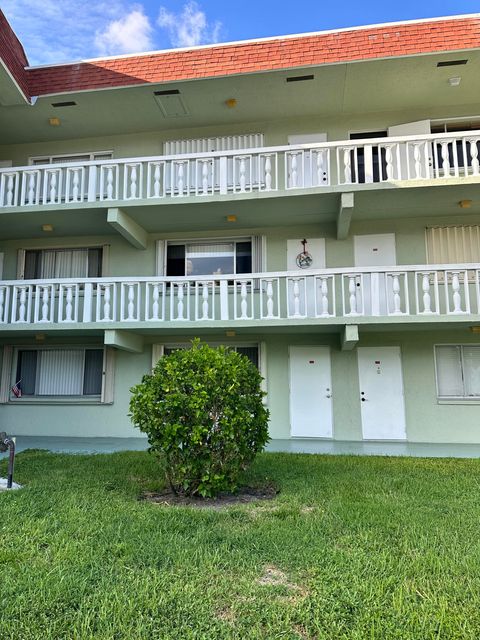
[231, 103]
[54, 122]
[465, 204]
[47, 227]
[231, 218]
[454, 82]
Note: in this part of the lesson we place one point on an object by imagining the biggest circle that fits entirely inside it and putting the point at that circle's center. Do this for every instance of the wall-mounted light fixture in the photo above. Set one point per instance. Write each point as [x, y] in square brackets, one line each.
[455, 81]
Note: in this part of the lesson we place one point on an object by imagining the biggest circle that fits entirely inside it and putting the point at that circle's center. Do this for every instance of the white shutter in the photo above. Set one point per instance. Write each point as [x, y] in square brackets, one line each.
[105, 260]
[262, 361]
[160, 257]
[108, 379]
[157, 352]
[453, 244]
[21, 264]
[307, 138]
[206, 145]
[418, 128]
[449, 371]
[5, 380]
[259, 254]
[471, 370]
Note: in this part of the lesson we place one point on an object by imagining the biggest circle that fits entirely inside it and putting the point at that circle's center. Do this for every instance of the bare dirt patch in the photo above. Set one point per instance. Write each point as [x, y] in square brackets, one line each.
[244, 495]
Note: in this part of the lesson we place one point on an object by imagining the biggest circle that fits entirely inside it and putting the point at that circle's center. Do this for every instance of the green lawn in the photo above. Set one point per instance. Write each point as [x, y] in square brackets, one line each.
[351, 548]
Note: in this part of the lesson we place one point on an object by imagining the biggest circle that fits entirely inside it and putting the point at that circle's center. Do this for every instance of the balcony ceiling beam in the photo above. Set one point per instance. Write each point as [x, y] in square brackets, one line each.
[349, 337]
[123, 340]
[344, 217]
[128, 228]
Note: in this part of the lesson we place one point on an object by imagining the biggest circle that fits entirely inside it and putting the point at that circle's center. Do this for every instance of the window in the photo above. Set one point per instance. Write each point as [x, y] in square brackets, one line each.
[458, 372]
[74, 158]
[59, 373]
[378, 157]
[453, 244]
[457, 153]
[63, 263]
[251, 351]
[455, 124]
[209, 258]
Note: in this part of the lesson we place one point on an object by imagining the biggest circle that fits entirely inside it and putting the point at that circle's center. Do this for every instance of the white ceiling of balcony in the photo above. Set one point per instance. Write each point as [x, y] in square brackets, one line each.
[270, 212]
[410, 83]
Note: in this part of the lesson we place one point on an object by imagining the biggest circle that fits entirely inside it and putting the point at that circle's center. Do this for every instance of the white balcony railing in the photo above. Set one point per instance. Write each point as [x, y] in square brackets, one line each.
[331, 294]
[381, 160]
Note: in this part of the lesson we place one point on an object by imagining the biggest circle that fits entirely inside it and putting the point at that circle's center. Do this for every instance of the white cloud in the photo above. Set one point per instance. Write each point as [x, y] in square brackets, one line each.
[189, 27]
[129, 34]
[55, 31]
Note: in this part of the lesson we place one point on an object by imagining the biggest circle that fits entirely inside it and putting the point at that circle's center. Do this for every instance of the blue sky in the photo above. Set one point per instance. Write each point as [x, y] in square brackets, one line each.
[61, 30]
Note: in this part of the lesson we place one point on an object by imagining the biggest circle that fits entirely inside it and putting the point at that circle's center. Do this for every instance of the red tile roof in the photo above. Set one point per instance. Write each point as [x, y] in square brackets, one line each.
[13, 55]
[411, 38]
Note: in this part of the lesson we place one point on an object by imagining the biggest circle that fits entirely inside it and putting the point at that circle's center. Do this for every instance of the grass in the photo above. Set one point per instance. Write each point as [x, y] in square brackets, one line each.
[352, 547]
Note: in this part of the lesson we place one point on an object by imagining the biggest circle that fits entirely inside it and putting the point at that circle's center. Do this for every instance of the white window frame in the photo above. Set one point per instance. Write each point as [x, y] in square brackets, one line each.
[457, 119]
[9, 370]
[49, 159]
[21, 255]
[258, 250]
[454, 399]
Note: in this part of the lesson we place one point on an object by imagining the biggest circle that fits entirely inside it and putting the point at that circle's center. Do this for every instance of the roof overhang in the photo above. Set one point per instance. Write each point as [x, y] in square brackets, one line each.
[10, 92]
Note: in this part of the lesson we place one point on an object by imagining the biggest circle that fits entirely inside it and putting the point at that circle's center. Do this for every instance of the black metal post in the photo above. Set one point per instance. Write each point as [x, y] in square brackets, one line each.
[11, 461]
[8, 443]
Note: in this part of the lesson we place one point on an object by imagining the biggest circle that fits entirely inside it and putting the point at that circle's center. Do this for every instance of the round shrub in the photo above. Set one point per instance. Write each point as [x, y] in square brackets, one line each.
[202, 410]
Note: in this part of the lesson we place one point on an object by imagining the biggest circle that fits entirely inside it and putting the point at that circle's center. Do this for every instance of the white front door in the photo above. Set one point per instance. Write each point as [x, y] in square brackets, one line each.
[374, 250]
[311, 414]
[381, 393]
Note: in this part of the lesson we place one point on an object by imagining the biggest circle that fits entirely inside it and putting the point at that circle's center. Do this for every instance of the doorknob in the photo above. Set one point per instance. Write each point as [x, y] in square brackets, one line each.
[329, 395]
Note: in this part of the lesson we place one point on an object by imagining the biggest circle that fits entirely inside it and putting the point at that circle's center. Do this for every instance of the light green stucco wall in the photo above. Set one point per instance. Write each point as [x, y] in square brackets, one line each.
[427, 420]
[124, 260]
[276, 133]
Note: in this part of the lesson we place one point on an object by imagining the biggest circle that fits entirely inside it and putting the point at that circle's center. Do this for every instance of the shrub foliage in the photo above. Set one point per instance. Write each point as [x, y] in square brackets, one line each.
[202, 410]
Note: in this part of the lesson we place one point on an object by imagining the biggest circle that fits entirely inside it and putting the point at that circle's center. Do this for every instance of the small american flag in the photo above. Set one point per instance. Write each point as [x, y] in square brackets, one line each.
[17, 390]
